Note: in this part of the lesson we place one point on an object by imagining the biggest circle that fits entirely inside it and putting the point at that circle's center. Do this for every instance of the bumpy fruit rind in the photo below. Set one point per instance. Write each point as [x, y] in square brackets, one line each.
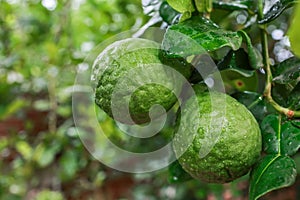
[134, 61]
[238, 144]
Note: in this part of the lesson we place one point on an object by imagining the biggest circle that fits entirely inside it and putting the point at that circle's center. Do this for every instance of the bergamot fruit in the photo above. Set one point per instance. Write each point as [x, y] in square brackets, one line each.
[131, 70]
[235, 148]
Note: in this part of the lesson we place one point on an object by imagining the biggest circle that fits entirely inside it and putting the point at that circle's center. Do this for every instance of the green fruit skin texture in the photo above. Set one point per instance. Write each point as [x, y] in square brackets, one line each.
[115, 62]
[237, 148]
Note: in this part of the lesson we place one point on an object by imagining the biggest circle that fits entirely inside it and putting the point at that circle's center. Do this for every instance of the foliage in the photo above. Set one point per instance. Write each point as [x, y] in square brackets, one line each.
[280, 135]
[43, 45]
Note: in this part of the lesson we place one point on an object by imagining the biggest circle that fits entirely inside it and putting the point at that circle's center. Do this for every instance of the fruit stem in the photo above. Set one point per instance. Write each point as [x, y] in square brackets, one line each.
[265, 53]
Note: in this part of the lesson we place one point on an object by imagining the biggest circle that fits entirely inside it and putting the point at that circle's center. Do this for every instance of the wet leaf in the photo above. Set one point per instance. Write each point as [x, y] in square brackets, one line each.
[271, 173]
[234, 81]
[197, 35]
[237, 61]
[203, 5]
[279, 137]
[233, 5]
[294, 98]
[255, 58]
[280, 93]
[180, 64]
[182, 6]
[287, 71]
[296, 123]
[276, 10]
[254, 102]
[167, 13]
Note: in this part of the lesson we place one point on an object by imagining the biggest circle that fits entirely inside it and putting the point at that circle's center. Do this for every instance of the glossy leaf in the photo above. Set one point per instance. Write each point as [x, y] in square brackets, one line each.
[254, 102]
[200, 5]
[234, 81]
[287, 71]
[180, 64]
[281, 138]
[208, 5]
[294, 31]
[177, 173]
[271, 134]
[197, 35]
[237, 61]
[271, 173]
[296, 123]
[290, 138]
[255, 57]
[233, 5]
[182, 6]
[276, 10]
[280, 93]
[294, 98]
[203, 5]
[167, 13]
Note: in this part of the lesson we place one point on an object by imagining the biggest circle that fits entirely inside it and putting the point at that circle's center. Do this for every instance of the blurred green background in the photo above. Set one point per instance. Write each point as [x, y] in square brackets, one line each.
[42, 44]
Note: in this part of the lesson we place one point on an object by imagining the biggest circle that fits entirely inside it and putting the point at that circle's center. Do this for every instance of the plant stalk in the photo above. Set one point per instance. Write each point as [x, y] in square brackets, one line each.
[265, 52]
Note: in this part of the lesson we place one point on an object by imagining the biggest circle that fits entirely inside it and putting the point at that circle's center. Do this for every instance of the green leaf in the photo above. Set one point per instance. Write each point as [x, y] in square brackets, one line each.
[281, 138]
[44, 155]
[203, 5]
[208, 5]
[177, 173]
[49, 195]
[294, 98]
[271, 173]
[290, 138]
[200, 5]
[180, 64]
[237, 61]
[296, 123]
[167, 13]
[254, 102]
[182, 6]
[24, 149]
[68, 165]
[233, 5]
[271, 134]
[234, 81]
[276, 10]
[280, 93]
[3, 143]
[287, 71]
[294, 31]
[255, 57]
[12, 108]
[197, 35]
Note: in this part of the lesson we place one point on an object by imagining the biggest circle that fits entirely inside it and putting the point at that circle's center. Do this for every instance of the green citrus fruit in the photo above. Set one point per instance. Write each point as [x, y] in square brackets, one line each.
[132, 71]
[237, 139]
